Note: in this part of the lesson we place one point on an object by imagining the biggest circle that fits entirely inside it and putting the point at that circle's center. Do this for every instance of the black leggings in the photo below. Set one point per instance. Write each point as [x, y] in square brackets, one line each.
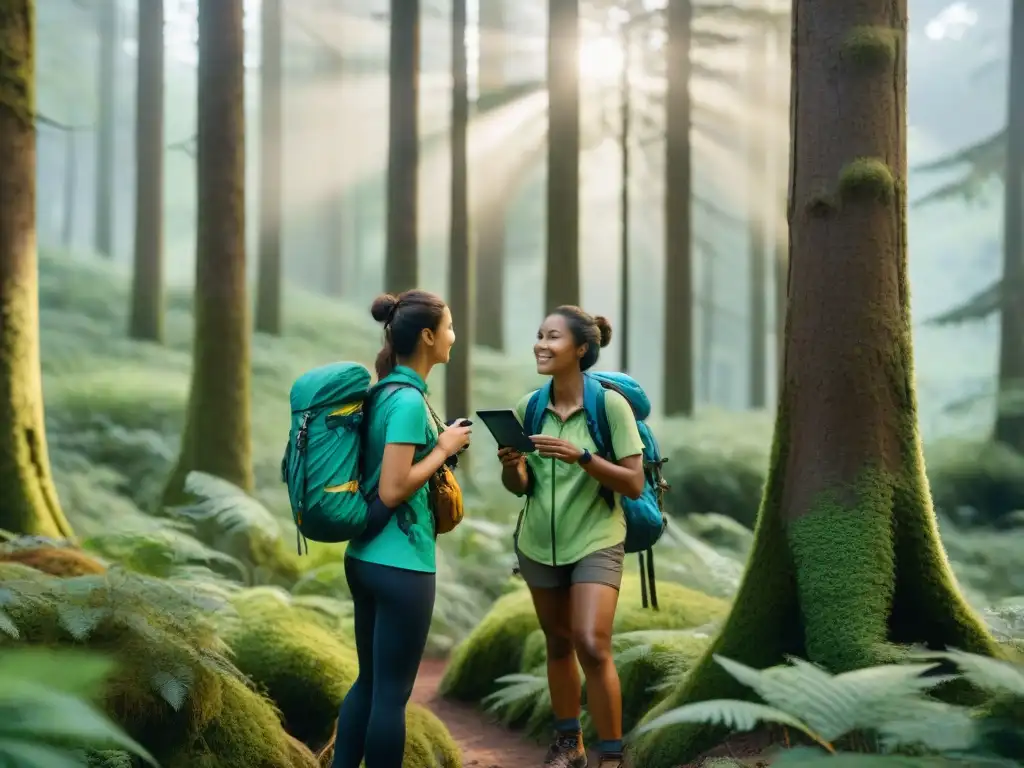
[392, 607]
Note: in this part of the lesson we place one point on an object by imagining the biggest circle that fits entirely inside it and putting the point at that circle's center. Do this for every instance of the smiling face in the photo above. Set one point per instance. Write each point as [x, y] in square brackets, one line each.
[556, 350]
[440, 340]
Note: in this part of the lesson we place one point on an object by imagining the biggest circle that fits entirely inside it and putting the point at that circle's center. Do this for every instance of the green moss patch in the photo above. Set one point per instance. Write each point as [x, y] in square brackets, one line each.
[870, 49]
[497, 645]
[867, 179]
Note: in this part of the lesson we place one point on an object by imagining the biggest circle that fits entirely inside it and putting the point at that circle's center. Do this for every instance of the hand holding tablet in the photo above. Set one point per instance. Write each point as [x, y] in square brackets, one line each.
[507, 430]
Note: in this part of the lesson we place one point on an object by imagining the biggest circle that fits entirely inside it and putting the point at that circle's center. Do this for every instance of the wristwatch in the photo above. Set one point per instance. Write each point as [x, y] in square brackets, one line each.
[585, 457]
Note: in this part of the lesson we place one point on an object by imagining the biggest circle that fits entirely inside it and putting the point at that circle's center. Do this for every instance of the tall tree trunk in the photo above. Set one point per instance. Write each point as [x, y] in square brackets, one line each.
[707, 325]
[493, 44]
[490, 276]
[780, 185]
[147, 307]
[268, 280]
[461, 269]
[847, 555]
[106, 127]
[216, 438]
[28, 499]
[1009, 426]
[401, 265]
[759, 207]
[70, 188]
[562, 277]
[678, 353]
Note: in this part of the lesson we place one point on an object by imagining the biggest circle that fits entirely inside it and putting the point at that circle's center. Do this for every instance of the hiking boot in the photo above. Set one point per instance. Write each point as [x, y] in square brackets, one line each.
[567, 751]
[612, 760]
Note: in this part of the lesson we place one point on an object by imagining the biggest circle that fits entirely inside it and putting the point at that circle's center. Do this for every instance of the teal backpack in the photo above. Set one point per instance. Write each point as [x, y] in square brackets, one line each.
[322, 464]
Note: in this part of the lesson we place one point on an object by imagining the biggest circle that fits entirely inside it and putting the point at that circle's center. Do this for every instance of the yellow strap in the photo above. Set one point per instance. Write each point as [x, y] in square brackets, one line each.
[350, 487]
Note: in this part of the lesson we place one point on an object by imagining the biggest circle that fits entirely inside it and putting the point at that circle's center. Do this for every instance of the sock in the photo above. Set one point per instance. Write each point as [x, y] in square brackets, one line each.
[570, 725]
[612, 747]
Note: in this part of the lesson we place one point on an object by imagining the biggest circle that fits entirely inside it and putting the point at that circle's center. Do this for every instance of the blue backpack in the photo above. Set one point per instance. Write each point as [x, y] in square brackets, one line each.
[645, 519]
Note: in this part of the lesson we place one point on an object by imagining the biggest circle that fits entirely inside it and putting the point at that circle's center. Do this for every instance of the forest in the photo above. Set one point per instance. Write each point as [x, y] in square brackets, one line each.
[198, 202]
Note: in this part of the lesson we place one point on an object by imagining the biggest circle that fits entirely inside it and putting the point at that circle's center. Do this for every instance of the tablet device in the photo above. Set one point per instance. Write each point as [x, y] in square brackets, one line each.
[507, 430]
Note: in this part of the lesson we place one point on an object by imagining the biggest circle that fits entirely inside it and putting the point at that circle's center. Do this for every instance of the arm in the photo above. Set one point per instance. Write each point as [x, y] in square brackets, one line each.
[400, 477]
[625, 477]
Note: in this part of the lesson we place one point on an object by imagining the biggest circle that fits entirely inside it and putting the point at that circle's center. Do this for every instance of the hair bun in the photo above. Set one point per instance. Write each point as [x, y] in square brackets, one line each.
[383, 306]
[605, 329]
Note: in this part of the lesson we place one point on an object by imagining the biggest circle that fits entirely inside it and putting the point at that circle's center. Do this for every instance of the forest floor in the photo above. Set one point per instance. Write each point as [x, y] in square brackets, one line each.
[484, 743]
[487, 744]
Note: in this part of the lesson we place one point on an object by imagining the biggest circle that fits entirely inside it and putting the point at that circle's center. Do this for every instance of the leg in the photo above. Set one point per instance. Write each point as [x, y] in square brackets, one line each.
[549, 589]
[595, 594]
[405, 605]
[354, 715]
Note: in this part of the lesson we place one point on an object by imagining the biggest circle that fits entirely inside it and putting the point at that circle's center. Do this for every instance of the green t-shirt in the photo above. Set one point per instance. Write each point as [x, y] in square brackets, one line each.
[400, 415]
[565, 519]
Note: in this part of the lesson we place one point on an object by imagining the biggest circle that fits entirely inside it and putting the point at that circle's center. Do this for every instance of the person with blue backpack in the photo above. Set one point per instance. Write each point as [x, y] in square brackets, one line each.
[593, 488]
[390, 557]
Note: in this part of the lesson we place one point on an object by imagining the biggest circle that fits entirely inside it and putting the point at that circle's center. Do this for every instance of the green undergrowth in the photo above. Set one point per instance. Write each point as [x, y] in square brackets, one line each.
[649, 662]
[495, 648]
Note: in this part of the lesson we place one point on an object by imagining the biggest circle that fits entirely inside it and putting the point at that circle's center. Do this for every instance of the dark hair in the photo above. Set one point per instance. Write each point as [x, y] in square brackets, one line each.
[593, 330]
[405, 317]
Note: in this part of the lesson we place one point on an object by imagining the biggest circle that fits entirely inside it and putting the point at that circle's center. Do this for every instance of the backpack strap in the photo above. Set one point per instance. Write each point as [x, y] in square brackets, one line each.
[536, 408]
[597, 425]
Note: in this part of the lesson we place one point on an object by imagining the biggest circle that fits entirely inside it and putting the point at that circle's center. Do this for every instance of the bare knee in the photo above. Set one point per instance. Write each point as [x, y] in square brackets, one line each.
[559, 644]
[593, 647]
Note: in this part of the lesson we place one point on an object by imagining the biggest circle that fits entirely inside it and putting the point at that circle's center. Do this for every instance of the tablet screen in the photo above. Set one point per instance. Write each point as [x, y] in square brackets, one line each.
[506, 429]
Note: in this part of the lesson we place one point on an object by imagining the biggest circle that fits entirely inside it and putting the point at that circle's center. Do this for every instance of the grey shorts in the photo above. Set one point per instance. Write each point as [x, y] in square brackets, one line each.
[601, 567]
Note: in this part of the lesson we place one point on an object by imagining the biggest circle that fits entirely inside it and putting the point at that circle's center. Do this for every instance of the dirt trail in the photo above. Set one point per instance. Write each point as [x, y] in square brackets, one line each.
[485, 744]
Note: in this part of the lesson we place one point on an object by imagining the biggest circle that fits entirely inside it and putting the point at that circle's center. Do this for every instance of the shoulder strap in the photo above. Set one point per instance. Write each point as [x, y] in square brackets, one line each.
[597, 416]
[536, 407]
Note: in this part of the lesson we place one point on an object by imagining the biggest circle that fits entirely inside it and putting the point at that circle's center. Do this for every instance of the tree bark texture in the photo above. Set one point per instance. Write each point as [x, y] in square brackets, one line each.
[780, 180]
[562, 276]
[268, 280]
[1009, 427]
[28, 499]
[106, 127]
[461, 269]
[678, 352]
[847, 556]
[401, 267]
[759, 207]
[216, 437]
[147, 305]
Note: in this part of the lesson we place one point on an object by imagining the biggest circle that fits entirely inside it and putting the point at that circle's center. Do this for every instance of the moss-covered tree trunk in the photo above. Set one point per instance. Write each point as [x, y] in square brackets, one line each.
[1010, 419]
[847, 555]
[562, 275]
[106, 127]
[216, 437]
[461, 278]
[268, 280]
[678, 343]
[145, 320]
[759, 208]
[401, 265]
[28, 499]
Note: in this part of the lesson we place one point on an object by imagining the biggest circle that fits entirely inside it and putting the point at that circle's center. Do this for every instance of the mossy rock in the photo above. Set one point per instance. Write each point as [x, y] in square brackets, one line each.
[495, 648]
[306, 668]
[55, 561]
[174, 690]
[297, 661]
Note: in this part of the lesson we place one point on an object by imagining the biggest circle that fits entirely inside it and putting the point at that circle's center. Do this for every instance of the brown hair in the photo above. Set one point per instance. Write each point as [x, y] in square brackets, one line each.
[593, 330]
[404, 317]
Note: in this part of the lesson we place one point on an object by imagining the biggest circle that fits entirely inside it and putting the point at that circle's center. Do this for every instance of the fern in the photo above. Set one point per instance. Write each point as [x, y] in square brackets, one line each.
[44, 716]
[986, 673]
[734, 714]
[518, 689]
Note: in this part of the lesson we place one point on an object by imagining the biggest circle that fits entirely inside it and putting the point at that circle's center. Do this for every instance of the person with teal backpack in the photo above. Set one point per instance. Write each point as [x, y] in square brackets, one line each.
[593, 493]
[358, 466]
